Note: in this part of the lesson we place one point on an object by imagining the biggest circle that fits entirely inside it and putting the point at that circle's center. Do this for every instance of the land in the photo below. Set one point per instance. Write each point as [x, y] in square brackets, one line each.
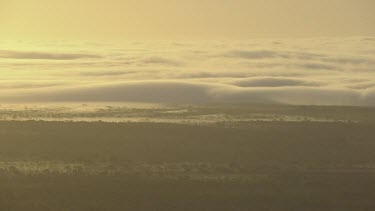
[212, 157]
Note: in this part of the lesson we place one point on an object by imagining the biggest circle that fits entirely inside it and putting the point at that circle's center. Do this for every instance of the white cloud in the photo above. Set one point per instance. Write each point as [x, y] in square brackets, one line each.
[314, 71]
[275, 82]
[178, 92]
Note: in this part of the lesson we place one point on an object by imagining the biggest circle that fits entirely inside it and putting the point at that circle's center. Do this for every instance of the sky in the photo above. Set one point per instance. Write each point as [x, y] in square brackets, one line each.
[177, 19]
[188, 52]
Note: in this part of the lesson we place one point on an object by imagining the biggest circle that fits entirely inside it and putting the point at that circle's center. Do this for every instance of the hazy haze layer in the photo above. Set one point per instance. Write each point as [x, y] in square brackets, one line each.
[176, 19]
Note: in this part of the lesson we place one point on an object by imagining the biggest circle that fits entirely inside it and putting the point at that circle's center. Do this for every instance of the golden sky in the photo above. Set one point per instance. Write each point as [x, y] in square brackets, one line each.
[178, 19]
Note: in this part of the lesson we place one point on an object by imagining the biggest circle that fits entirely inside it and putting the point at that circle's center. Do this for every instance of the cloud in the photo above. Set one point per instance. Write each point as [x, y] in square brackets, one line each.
[204, 74]
[274, 82]
[368, 39]
[313, 71]
[349, 60]
[105, 73]
[297, 96]
[159, 60]
[363, 85]
[44, 56]
[268, 54]
[144, 91]
[257, 54]
[312, 60]
[317, 66]
[178, 92]
[28, 84]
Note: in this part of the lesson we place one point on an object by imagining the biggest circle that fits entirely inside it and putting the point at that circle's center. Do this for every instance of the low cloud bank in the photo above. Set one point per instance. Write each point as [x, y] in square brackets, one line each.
[200, 93]
[44, 55]
[274, 82]
[317, 71]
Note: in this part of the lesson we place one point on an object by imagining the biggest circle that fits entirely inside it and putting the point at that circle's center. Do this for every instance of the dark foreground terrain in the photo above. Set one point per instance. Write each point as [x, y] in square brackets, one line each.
[244, 165]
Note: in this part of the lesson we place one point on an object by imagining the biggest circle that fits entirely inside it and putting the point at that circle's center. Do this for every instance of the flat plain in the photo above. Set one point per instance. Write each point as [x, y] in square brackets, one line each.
[211, 157]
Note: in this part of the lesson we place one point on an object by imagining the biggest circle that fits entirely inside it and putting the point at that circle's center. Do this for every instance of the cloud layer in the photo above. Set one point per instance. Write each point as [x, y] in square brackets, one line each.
[44, 56]
[303, 72]
[201, 93]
